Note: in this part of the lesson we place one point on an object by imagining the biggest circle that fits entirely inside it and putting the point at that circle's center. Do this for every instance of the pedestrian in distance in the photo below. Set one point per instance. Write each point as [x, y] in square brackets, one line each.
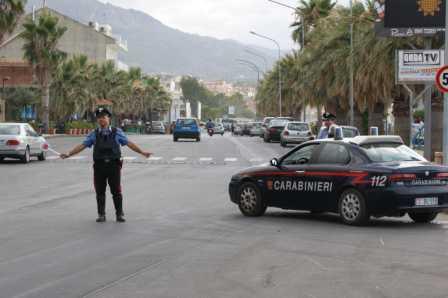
[328, 120]
[107, 142]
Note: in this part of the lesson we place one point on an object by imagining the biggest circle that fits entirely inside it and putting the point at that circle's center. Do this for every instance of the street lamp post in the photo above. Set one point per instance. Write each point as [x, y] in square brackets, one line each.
[297, 12]
[352, 104]
[279, 68]
[251, 65]
[253, 53]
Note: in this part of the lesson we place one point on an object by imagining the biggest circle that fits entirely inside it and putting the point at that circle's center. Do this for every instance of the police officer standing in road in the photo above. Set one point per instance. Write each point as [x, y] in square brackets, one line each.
[328, 120]
[107, 161]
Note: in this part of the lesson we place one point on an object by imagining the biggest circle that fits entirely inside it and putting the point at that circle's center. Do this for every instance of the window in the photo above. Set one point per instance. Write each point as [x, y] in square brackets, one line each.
[350, 132]
[278, 123]
[301, 156]
[391, 152]
[10, 130]
[186, 122]
[334, 154]
[298, 126]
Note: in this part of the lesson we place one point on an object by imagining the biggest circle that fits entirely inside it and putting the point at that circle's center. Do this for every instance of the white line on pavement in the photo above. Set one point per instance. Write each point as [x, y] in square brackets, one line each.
[206, 159]
[129, 158]
[231, 159]
[179, 159]
[155, 158]
[52, 157]
[78, 158]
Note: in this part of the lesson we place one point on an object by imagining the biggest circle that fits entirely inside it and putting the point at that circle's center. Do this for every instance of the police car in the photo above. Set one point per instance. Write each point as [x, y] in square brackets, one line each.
[357, 178]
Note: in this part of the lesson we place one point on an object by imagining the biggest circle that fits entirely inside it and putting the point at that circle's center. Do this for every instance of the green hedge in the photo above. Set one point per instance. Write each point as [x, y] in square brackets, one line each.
[79, 125]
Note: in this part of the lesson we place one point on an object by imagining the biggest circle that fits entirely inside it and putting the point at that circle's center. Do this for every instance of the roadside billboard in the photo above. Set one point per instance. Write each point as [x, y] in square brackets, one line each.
[405, 18]
[414, 14]
[418, 66]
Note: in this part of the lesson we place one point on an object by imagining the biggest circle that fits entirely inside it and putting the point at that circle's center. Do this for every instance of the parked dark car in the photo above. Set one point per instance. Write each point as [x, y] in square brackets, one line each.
[274, 130]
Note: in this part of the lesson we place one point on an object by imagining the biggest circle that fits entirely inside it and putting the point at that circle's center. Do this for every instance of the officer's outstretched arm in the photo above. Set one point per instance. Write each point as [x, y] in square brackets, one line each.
[137, 149]
[75, 151]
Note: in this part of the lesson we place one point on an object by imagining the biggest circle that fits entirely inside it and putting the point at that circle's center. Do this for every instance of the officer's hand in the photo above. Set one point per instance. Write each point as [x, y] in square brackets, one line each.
[147, 154]
[64, 156]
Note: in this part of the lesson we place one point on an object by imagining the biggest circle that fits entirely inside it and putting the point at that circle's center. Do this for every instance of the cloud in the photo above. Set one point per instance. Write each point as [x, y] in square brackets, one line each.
[228, 19]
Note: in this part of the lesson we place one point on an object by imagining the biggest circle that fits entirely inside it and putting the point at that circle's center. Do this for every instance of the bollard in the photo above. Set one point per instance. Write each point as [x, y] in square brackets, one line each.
[438, 158]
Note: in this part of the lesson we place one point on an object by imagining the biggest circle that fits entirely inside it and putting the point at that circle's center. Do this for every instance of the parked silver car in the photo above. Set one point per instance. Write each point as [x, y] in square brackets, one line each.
[158, 127]
[256, 129]
[296, 133]
[20, 141]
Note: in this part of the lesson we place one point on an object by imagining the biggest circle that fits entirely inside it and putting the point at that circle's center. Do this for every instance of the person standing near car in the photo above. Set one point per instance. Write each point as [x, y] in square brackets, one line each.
[107, 165]
[328, 120]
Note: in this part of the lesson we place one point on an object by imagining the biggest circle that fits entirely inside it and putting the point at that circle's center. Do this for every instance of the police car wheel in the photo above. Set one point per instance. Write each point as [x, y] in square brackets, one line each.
[425, 217]
[250, 201]
[352, 208]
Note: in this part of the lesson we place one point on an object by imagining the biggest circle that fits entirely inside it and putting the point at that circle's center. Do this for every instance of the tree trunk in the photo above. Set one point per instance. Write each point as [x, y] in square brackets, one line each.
[401, 114]
[376, 117]
[358, 121]
[46, 107]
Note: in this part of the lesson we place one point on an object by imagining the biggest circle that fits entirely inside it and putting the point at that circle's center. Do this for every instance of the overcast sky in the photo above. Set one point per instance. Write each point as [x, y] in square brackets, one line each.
[223, 18]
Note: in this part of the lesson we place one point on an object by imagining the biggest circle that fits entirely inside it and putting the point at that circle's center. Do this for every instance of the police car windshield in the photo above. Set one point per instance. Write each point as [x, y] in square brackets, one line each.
[298, 126]
[349, 132]
[391, 152]
[9, 130]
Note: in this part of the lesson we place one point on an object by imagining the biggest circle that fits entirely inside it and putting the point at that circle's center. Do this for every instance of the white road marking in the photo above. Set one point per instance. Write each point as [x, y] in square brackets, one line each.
[129, 158]
[179, 159]
[256, 160]
[154, 158]
[231, 159]
[382, 241]
[52, 157]
[78, 158]
[206, 159]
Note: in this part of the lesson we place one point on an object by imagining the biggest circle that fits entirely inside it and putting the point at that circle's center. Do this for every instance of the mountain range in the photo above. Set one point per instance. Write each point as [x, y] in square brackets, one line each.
[160, 49]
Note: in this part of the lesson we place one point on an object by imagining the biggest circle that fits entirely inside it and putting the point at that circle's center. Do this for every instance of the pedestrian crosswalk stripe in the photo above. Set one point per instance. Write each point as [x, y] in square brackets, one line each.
[204, 159]
[78, 157]
[179, 159]
[231, 159]
[130, 158]
[154, 158]
[256, 160]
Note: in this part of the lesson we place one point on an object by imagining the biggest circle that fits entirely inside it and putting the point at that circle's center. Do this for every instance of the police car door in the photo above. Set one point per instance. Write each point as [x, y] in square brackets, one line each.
[289, 186]
[330, 170]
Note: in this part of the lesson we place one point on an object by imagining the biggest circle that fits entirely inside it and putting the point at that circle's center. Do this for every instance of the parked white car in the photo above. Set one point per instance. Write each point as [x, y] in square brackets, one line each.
[20, 141]
[296, 133]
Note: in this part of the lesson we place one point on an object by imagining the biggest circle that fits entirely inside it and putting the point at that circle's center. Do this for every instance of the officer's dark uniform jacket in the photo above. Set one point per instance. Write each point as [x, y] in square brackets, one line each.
[106, 148]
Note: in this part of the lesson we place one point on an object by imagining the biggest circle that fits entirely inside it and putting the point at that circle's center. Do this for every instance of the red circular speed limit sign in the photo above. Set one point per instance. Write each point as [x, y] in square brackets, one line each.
[442, 79]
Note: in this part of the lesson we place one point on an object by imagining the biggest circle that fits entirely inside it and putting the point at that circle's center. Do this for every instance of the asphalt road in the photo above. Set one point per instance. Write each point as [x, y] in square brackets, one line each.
[184, 238]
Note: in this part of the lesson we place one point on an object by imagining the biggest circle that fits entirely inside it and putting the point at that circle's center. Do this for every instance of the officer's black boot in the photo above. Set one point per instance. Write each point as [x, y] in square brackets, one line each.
[101, 202]
[118, 202]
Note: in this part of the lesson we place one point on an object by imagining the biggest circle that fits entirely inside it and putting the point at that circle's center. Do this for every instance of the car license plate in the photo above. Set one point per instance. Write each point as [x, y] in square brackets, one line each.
[419, 202]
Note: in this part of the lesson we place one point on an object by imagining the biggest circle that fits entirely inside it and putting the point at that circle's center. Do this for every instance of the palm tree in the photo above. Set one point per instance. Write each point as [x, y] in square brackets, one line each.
[10, 12]
[308, 14]
[40, 49]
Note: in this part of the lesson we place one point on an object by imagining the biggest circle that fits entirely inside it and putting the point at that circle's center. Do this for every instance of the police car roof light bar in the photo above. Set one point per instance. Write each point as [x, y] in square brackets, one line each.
[338, 134]
[374, 131]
